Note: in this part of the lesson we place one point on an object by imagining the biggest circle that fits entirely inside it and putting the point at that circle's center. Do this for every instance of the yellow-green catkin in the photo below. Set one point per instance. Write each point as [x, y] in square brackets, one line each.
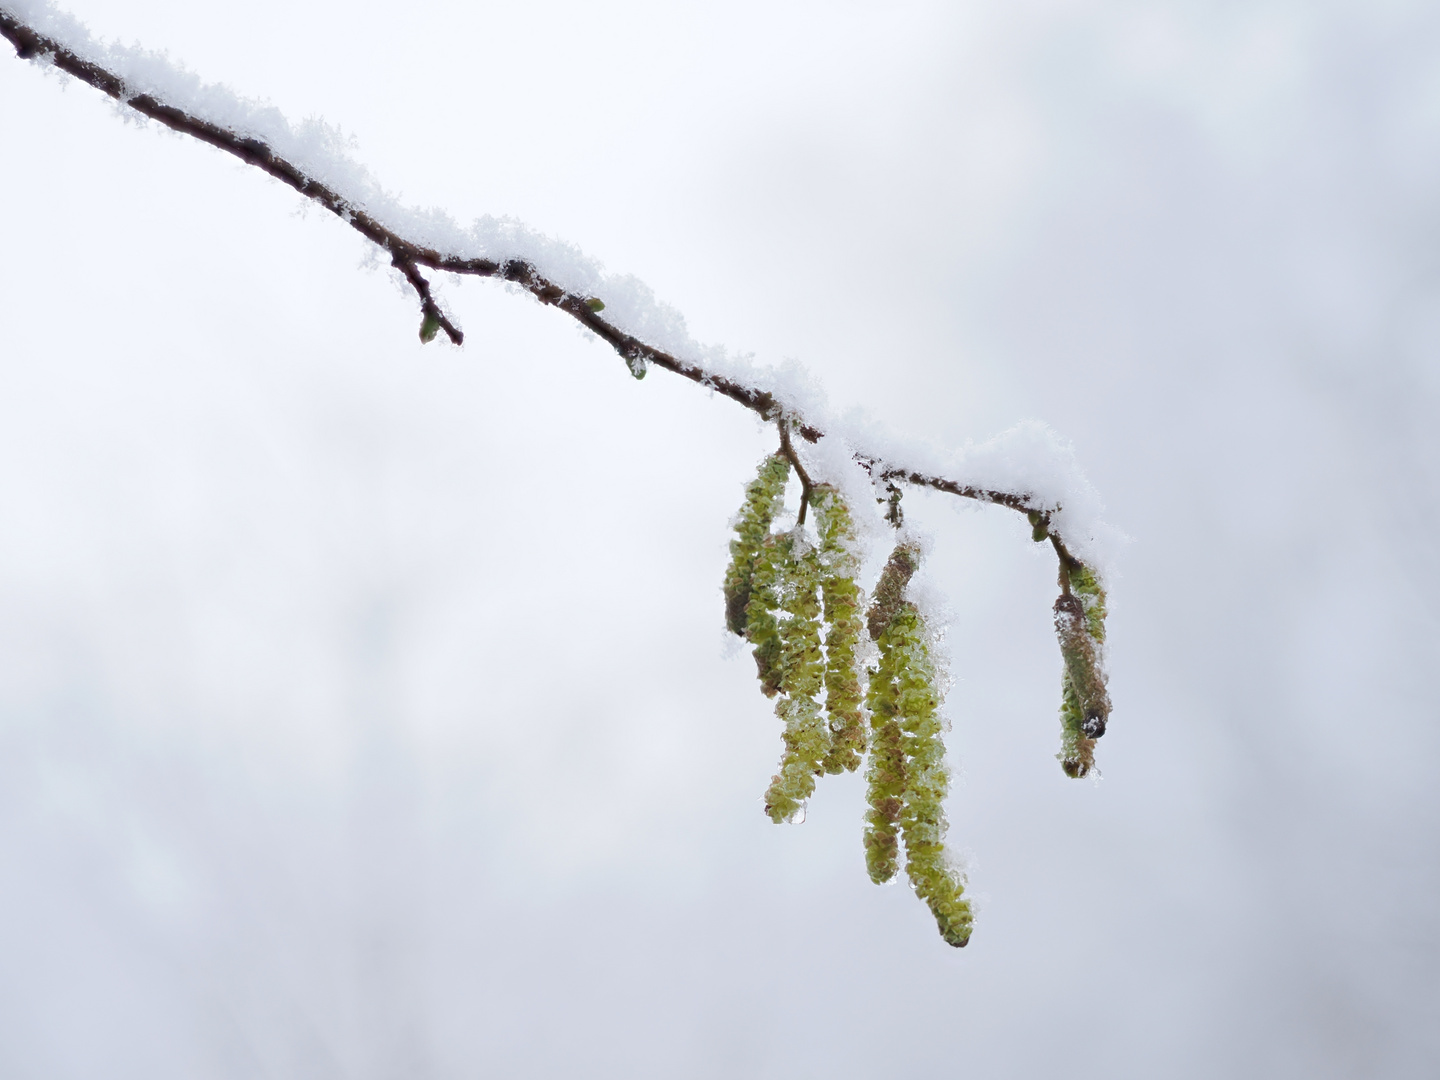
[769, 579]
[764, 497]
[885, 776]
[908, 775]
[788, 571]
[1084, 701]
[842, 602]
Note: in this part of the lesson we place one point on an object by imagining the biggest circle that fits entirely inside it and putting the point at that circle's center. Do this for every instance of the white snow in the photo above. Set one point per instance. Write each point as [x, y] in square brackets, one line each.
[1028, 459]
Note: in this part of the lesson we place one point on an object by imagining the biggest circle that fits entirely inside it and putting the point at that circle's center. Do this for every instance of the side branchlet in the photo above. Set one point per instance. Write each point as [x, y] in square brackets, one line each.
[807, 487]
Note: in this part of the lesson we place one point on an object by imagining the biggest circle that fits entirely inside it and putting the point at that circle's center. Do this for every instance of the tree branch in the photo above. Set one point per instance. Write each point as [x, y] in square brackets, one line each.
[408, 257]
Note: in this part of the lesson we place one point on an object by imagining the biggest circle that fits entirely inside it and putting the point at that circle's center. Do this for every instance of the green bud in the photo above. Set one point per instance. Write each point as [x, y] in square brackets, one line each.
[429, 327]
[595, 304]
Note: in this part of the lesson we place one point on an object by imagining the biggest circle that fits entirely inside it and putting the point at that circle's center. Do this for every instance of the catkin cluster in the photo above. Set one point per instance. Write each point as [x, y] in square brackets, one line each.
[797, 602]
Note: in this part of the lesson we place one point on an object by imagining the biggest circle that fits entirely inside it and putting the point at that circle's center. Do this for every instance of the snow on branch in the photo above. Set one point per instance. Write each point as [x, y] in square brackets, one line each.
[313, 160]
[1028, 470]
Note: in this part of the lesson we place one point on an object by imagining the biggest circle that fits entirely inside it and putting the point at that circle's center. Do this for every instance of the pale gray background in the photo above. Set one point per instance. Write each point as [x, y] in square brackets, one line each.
[364, 709]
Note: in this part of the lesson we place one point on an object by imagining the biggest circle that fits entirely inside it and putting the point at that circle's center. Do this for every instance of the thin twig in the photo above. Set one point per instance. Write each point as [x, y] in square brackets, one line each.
[806, 487]
[428, 306]
[408, 257]
[894, 512]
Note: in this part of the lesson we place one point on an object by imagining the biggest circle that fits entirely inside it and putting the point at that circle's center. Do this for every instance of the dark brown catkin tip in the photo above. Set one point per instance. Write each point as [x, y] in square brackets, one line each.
[890, 590]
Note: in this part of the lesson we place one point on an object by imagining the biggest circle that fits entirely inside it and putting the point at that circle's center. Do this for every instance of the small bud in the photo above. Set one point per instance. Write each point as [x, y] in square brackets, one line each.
[595, 304]
[429, 327]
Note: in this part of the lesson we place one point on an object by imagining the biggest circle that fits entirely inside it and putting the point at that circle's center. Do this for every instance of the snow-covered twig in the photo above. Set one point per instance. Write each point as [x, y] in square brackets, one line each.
[153, 88]
[781, 588]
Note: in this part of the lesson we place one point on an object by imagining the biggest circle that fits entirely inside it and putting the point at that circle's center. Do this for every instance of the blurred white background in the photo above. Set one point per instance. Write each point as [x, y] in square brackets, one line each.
[364, 708]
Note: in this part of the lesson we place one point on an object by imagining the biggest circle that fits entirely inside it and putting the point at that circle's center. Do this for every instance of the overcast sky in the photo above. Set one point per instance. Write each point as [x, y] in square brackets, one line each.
[365, 710]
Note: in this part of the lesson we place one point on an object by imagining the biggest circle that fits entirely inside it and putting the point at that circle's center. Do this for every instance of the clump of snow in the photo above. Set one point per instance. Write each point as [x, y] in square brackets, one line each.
[1029, 459]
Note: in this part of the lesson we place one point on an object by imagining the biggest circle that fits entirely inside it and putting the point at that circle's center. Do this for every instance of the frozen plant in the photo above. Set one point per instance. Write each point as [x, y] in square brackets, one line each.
[792, 593]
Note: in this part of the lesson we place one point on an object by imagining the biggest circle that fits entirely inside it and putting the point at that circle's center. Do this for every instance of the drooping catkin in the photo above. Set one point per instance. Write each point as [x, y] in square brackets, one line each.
[885, 776]
[885, 792]
[764, 497]
[799, 670]
[795, 599]
[908, 778]
[806, 743]
[780, 591]
[927, 780]
[761, 619]
[1084, 701]
[842, 601]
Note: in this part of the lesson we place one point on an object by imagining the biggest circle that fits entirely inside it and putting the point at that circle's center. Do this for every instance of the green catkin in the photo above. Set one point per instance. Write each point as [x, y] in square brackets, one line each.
[885, 792]
[806, 743]
[768, 581]
[799, 669]
[1077, 750]
[922, 823]
[781, 592]
[885, 777]
[908, 778]
[842, 602]
[1092, 596]
[1084, 701]
[764, 496]
[776, 589]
